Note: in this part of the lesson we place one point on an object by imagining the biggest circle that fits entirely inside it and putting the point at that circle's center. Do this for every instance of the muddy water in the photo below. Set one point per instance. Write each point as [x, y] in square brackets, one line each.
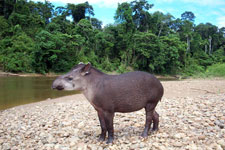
[23, 90]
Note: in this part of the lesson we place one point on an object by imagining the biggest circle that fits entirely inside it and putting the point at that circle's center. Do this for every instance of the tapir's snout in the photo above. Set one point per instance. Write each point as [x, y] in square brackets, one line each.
[57, 86]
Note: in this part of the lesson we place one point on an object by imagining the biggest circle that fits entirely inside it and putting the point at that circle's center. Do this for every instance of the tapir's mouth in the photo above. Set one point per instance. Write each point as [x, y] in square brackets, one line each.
[59, 87]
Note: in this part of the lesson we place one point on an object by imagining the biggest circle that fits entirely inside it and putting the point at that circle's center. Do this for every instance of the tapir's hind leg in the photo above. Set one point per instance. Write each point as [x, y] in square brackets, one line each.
[149, 109]
[155, 120]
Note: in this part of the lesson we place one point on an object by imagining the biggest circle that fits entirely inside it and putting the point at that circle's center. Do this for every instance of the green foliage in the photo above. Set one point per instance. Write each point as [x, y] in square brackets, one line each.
[218, 56]
[216, 70]
[37, 37]
[192, 68]
[51, 53]
[16, 53]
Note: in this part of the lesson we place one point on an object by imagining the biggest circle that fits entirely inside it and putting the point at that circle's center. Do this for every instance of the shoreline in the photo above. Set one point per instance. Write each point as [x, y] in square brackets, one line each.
[163, 77]
[2, 74]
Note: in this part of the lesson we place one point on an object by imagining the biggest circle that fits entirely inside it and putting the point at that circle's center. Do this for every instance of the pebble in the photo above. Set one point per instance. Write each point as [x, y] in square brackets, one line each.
[179, 135]
[192, 147]
[220, 124]
[162, 148]
[49, 146]
[201, 137]
[218, 147]
[92, 147]
[6, 146]
[1, 141]
[185, 123]
[81, 146]
[177, 144]
[80, 125]
[221, 142]
[51, 140]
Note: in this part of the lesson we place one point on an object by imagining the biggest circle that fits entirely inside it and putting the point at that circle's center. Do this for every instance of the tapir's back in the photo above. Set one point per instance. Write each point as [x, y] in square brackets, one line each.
[130, 91]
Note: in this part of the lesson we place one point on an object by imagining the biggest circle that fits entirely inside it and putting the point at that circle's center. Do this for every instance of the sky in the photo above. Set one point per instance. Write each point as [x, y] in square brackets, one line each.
[212, 11]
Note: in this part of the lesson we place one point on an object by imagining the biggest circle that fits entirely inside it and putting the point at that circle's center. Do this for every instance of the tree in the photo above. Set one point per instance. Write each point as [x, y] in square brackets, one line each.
[188, 15]
[127, 28]
[97, 24]
[211, 35]
[79, 11]
[160, 23]
[159, 55]
[37, 37]
[17, 52]
[45, 10]
[140, 14]
[124, 16]
[7, 7]
[48, 50]
[187, 28]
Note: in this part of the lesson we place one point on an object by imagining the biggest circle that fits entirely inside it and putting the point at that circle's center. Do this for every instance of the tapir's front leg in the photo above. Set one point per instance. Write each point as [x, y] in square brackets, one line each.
[109, 125]
[103, 125]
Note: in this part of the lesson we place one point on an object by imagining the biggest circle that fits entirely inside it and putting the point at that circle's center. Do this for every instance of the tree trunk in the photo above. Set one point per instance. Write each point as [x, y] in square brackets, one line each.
[188, 44]
[160, 30]
[206, 49]
[210, 45]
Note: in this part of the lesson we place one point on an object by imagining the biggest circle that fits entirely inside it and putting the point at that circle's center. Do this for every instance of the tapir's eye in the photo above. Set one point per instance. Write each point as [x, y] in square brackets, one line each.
[69, 78]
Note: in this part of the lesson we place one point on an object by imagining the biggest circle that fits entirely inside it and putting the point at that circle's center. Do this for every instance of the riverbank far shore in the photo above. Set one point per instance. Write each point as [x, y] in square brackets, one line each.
[3, 74]
[192, 116]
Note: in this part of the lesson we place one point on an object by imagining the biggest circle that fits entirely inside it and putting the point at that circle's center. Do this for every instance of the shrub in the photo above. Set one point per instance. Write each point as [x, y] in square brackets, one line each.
[216, 70]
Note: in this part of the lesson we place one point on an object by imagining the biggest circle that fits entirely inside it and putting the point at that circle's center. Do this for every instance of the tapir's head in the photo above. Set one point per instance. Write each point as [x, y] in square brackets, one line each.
[73, 80]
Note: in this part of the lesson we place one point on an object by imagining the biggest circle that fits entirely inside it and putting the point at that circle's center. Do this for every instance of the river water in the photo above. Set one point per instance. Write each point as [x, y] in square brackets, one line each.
[23, 90]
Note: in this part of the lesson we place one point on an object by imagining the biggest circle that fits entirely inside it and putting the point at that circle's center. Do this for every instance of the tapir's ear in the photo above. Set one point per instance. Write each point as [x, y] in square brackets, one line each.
[86, 69]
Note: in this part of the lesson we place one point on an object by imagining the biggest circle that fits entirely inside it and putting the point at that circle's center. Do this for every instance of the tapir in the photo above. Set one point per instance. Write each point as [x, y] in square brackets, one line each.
[108, 94]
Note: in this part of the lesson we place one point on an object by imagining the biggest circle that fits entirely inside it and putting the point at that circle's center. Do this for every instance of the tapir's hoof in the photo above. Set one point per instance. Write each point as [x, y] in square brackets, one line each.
[154, 130]
[144, 135]
[101, 138]
[110, 140]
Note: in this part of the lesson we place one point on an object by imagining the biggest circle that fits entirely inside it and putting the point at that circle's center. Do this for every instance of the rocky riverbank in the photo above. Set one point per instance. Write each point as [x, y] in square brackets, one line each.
[192, 116]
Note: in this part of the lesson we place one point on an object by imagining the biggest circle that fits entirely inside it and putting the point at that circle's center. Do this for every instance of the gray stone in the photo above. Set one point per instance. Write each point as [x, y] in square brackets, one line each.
[177, 144]
[221, 142]
[218, 147]
[179, 135]
[51, 140]
[1, 141]
[6, 146]
[49, 146]
[80, 125]
[92, 147]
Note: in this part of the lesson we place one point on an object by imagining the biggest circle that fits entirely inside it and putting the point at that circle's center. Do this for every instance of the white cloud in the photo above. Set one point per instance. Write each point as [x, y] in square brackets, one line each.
[221, 21]
[166, 1]
[153, 9]
[101, 3]
[206, 2]
[199, 2]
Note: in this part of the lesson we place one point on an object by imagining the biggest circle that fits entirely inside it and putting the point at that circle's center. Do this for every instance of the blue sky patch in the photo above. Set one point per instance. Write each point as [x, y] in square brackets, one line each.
[212, 11]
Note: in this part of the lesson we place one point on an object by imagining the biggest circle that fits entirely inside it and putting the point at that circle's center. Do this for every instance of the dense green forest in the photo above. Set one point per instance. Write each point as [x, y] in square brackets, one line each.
[38, 37]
